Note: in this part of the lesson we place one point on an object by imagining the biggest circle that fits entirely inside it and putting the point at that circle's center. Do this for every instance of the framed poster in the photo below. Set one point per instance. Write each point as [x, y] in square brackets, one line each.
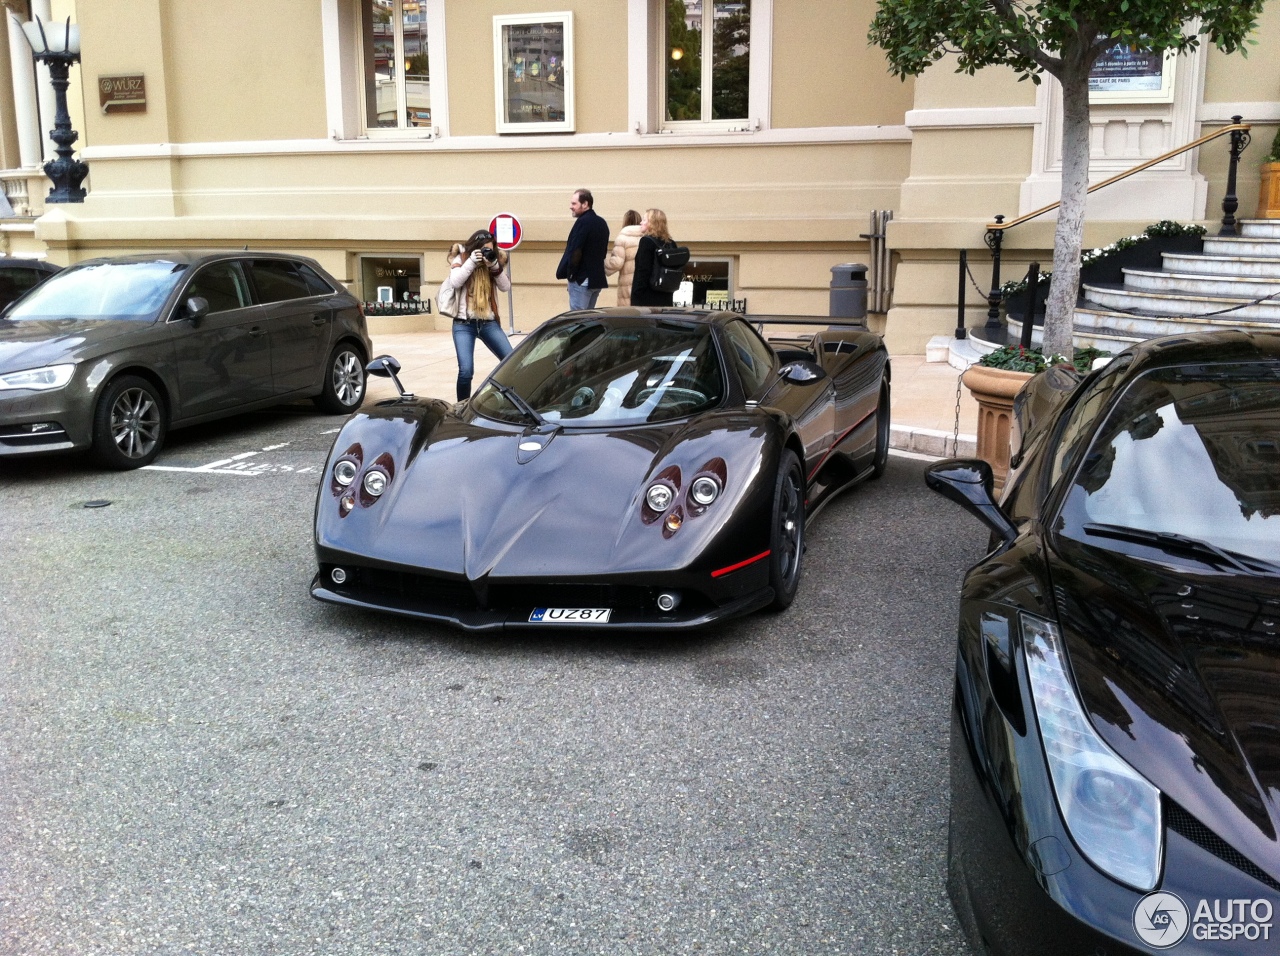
[533, 73]
[1125, 75]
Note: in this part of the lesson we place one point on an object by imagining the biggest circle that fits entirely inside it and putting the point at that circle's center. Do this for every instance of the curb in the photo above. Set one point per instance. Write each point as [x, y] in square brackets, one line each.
[932, 442]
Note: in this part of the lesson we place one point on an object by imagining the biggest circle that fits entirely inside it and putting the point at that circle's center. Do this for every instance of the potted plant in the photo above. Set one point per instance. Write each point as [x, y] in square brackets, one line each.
[993, 381]
[1269, 192]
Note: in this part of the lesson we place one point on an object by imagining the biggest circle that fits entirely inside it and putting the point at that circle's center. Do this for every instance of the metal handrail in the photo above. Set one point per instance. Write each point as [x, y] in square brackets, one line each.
[1236, 126]
[1239, 132]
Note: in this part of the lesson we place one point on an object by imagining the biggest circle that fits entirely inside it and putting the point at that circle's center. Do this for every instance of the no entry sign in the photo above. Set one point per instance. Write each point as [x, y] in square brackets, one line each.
[506, 230]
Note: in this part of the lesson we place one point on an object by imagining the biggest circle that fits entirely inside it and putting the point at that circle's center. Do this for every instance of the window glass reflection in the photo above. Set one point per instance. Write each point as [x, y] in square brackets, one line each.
[707, 51]
[396, 70]
[731, 60]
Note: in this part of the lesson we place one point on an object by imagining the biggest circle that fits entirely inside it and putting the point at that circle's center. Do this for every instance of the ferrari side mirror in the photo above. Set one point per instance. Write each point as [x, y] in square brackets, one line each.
[385, 366]
[968, 482]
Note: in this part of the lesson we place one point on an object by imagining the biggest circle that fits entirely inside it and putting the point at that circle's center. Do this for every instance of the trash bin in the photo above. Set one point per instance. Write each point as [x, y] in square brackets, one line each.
[849, 292]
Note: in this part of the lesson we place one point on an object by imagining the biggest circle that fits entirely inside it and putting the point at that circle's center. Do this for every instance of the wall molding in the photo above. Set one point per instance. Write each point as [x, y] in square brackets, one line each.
[973, 117]
[1266, 111]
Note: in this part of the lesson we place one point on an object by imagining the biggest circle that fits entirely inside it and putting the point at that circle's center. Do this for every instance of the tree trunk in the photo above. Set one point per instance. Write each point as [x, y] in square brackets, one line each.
[1069, 235]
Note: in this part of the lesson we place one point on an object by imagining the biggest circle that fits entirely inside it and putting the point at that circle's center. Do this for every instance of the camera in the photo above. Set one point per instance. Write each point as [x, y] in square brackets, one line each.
[489, 254]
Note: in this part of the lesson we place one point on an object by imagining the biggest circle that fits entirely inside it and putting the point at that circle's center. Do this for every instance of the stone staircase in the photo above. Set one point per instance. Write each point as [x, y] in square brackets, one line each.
[1191, 293]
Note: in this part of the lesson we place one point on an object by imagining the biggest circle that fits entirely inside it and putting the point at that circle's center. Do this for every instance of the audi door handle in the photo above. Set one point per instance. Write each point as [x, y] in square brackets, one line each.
[256, 331]
[318, 320]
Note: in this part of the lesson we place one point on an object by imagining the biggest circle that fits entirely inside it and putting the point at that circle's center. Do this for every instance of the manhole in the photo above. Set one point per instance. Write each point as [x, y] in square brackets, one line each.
[96, 503]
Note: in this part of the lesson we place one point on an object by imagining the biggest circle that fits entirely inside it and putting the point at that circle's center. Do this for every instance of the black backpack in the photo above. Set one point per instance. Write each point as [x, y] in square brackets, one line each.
[669, 261]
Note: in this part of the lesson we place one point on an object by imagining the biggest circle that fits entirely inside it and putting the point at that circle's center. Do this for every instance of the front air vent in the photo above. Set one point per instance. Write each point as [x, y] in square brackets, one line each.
[1185, 825]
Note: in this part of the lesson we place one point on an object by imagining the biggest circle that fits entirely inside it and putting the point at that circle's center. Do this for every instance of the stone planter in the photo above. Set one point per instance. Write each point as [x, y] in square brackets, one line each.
[993, 389]
[1269, 193]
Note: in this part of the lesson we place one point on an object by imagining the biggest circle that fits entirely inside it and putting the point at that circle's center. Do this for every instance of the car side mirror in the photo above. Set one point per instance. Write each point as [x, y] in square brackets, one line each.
[385, 366]
[968, 482]
[802, 372]
[196, 308]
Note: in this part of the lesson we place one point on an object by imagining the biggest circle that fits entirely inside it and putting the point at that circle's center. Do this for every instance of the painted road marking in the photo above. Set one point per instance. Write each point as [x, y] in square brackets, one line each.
[238, 465]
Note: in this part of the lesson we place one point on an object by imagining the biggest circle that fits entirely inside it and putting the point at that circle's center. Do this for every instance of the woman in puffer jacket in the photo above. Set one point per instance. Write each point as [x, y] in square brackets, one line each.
[623, 257]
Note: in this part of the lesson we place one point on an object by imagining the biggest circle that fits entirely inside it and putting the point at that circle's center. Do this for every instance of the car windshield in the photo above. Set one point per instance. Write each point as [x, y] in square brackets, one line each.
[102, 290]
[594, 373]
[1190, 452]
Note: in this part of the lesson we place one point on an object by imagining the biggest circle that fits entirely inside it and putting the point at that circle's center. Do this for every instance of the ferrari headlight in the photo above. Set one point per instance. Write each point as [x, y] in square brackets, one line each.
[39, 379]
[704, 490]
[659, 497]
[375, 483]
[344, 472]
[1112, 812]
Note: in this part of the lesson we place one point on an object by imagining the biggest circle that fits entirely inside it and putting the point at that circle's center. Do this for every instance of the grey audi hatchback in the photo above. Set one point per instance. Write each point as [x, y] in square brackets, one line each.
[110, 354]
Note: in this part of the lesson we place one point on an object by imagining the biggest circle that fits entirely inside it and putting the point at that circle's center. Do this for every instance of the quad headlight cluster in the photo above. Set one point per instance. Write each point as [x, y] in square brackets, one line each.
[346, 471]
[1112, 812]
[663, 498]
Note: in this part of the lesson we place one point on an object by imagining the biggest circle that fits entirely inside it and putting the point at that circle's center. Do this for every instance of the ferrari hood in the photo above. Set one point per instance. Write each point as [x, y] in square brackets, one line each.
[35, 343]
[1179, 672]
[481, 501]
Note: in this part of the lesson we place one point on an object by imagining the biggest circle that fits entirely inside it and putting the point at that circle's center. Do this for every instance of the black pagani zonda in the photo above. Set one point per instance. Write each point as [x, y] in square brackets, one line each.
[629, 469]
[1115, 747]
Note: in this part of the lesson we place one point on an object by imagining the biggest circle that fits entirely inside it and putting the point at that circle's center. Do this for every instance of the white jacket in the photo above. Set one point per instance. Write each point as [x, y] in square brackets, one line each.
[460, 273]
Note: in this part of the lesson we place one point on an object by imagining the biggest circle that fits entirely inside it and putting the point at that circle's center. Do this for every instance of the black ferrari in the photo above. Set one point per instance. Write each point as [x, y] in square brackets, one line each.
[1115, 747]
[630, 468]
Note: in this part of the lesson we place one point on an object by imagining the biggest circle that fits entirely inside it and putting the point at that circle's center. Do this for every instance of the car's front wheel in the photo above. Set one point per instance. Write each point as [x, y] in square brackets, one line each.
[129, 424]
[344, 381]
[786, 538]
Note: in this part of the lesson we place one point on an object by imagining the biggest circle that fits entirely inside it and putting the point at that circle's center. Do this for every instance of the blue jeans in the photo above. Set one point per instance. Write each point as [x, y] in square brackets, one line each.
[465, 333]
[580, 297]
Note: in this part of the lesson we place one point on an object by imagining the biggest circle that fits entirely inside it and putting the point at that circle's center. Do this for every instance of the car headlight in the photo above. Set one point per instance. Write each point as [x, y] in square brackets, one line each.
[1111, 811]
[704, 490]
[375, 483]
[344, 472]
[39, 379]
[659, 497]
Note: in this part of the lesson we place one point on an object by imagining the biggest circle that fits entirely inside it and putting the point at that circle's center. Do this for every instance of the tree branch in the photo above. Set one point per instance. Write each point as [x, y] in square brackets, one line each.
[1022, 36]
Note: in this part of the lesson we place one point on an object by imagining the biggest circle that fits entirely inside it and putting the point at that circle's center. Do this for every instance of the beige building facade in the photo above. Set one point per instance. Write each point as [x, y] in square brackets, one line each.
[371, 134]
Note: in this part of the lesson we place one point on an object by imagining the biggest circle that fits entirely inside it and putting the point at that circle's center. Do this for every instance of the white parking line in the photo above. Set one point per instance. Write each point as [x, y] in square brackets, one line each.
[235, 465]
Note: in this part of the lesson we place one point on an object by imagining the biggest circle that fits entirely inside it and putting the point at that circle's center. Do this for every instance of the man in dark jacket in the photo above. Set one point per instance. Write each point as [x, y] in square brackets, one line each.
[582, 264]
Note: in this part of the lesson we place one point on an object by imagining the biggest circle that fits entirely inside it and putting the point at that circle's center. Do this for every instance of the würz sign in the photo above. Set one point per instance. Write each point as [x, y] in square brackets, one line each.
[123, 94]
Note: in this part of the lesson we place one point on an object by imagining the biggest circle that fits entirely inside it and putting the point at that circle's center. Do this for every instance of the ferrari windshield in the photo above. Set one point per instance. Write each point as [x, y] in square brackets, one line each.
[595, 373]
[102, 290]
[1189, 453]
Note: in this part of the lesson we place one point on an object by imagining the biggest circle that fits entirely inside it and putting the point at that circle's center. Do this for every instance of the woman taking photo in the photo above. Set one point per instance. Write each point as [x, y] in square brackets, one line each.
[476, 273]
[654, 235]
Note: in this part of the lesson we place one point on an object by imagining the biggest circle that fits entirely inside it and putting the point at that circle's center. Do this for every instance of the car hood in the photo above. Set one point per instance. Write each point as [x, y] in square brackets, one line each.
[464, 499]
[34, 343]
[1178, 669]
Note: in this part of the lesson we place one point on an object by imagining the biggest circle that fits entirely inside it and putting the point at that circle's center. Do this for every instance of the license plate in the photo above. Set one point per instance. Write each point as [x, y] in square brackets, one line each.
[570, 615]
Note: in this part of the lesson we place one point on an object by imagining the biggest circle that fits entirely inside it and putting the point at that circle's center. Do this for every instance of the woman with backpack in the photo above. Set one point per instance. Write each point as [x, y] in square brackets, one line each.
[476, 276]
[654, 236]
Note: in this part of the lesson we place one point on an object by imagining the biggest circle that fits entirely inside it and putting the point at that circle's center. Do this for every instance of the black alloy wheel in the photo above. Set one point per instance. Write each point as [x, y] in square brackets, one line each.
[344, 380]
[786, 537]
[882, 431]
[129, 424]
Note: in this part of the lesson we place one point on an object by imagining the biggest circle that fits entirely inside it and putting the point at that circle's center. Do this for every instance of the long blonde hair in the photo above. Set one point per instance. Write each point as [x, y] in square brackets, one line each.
[657, 224]
[482, 298]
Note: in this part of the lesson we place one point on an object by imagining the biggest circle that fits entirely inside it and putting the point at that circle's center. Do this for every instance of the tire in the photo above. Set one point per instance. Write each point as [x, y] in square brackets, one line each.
[344, 380]
[129, 424]
[881, 460]
[786, 534]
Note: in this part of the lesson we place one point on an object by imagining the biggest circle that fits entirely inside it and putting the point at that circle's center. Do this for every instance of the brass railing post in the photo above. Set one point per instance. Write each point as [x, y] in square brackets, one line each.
[994, 239]
[1230, 202]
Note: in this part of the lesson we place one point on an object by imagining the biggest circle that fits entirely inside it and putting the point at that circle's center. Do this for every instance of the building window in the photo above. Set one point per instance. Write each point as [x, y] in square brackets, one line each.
[707, 284]
[390, 286]
[395, 65]
[706, 48]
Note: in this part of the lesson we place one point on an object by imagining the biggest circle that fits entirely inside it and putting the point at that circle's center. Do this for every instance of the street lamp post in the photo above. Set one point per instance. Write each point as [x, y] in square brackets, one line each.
[58, 46]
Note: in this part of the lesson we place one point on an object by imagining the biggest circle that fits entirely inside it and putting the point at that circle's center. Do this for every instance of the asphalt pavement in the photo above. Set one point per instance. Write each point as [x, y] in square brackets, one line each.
[199, 758]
